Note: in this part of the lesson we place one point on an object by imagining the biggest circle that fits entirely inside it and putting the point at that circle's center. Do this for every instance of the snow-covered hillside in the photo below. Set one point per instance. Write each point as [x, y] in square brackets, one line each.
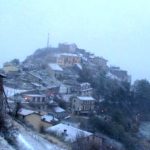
[30, 141]
[26, 139]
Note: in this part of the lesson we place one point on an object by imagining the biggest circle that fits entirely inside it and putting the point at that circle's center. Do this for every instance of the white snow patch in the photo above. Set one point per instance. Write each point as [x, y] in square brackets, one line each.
[4, 144]
[58, 109]
[30, 141]
[69, 54]
[25, 112]
[11, 91]
[84, 98]
[48, 118]
[79, 66]
[55, 67]
[144, 130]
[24, 142]
[110, 75]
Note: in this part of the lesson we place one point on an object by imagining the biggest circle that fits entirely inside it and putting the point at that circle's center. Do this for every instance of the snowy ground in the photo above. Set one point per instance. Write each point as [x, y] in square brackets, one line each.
[4, 145]
[31, 141]
[28, 140]
[144, 130]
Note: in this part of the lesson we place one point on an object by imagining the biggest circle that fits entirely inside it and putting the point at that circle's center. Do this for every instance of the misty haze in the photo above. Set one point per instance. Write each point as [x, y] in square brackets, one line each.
[74, 75]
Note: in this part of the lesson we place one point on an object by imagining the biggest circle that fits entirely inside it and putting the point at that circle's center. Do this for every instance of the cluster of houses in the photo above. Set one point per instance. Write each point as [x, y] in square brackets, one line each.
[50, 94]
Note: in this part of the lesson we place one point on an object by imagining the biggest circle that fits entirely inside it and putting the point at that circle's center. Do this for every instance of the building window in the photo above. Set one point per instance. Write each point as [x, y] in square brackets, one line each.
[43, 99]
[38, 99]
[33, 99]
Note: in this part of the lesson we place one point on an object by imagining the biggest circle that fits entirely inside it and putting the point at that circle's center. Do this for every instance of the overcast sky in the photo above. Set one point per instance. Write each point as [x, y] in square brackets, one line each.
[118, 30]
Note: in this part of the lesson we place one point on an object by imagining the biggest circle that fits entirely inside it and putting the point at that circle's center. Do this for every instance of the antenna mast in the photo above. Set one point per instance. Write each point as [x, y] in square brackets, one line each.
[48, 41]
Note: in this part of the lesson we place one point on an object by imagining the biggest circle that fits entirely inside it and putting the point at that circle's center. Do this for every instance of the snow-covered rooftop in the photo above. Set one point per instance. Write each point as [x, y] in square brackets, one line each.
[67, 97]
[55, 67]
[79, 66]
[84, 98]
[36, 84]
[25, 112]
[2, 75]
[110, 75]
[35, 75]
[69, 54]
[35, 95]
[91, 56]
[84, 58]
[71, 132]
[85, 83]
[48, 118]
[66, 54]
[58, 109]
[11, 91]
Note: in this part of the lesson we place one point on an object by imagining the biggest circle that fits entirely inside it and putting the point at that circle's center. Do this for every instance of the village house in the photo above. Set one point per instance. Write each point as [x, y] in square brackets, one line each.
[33, 119]
[82, 104]
[25, 112]
[49, 119]
[70, 74]
[89, 142]
[69, 48]
[121, 74]
[66, 100]
[55, 70]
[36, 85]
[51, 91]
[85, 89]
[38, 101]
[67, 89]
[68, 59]
[99, 61]
[10, 68]
[33, 77]
[68, 132]
[63, 89]
[59, 112]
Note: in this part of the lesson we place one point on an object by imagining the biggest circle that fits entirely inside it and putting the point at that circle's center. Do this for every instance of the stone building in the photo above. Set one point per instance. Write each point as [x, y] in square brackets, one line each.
[100, 61]
[33, 118]
[68, 59]
[55, 70]
[67, 47]
[38, 101]
[85, 89]
[121, 74]
[10, 68]
[82, 104]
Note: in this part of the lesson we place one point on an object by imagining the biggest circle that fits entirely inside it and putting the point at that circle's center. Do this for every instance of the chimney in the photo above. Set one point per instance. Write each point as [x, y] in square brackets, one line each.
[65, 132]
